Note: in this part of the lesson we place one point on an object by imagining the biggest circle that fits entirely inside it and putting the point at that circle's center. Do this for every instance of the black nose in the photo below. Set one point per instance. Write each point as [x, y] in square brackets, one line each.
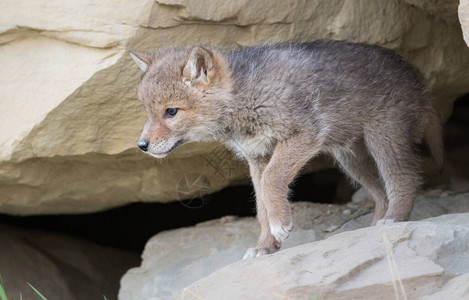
[143, 145]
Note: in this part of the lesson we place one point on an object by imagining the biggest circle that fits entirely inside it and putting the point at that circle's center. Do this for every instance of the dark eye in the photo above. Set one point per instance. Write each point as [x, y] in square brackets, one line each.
[171, 111]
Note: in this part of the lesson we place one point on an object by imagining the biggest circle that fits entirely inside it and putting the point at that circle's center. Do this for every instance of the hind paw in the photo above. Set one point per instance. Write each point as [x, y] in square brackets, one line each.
[385, 222]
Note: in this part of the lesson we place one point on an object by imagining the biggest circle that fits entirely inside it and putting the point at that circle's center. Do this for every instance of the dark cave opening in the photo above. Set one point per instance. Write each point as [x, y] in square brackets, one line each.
[129, 227]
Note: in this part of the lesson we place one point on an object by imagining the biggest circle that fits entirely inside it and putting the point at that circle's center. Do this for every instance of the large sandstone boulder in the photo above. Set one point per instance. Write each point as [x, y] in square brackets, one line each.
[175, 259]
[69, 118]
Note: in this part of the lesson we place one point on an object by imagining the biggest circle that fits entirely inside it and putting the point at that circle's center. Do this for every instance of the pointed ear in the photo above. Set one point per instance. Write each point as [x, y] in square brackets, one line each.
[199, 66]
[143, 60]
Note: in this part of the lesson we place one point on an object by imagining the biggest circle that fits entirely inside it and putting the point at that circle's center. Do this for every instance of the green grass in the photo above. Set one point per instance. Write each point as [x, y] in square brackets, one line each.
[3, 293]
[37, 292]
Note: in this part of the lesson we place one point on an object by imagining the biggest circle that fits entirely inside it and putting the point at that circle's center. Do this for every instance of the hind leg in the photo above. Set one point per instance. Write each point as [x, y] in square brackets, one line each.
[360, 166]
[398, 165]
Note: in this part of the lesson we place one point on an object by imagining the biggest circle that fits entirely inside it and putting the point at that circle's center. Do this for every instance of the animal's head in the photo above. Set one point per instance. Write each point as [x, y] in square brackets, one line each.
[184, 92]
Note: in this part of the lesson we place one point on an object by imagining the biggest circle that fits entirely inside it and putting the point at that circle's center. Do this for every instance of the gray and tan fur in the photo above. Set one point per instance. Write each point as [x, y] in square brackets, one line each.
[279, 106]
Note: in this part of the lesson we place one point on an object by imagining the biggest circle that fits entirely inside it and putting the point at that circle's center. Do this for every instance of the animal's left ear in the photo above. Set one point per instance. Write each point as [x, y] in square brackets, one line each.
[199, 66]
[143, 60]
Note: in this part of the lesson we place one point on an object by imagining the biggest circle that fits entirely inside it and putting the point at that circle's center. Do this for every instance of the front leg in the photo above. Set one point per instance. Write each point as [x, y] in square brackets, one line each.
[287, 160]
[271, 179]
[267, 243]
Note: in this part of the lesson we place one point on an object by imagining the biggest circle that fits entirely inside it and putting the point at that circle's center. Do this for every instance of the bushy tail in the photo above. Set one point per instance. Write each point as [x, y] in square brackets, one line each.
[434, 138]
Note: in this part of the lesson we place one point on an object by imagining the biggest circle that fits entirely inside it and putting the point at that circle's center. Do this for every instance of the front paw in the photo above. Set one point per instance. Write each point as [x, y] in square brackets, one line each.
[258, 251]
[280, 230]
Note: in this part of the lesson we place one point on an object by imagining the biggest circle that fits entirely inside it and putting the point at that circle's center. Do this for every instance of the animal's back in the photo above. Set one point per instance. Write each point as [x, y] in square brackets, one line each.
[332, 87]
[334, 67]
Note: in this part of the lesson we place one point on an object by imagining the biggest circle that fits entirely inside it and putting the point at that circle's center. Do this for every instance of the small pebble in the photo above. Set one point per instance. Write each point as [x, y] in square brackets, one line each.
[331, 228]
[346, 211]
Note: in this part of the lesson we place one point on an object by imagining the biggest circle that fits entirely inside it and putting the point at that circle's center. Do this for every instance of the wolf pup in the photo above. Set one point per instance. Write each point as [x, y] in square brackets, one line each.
[279, 106]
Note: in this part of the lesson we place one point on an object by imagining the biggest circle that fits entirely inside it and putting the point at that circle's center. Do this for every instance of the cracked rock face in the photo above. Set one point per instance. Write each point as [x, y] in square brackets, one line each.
[69, 117]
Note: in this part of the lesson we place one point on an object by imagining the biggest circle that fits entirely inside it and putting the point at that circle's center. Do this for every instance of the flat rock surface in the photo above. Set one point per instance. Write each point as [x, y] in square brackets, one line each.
[175, 259]
[429, 258]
